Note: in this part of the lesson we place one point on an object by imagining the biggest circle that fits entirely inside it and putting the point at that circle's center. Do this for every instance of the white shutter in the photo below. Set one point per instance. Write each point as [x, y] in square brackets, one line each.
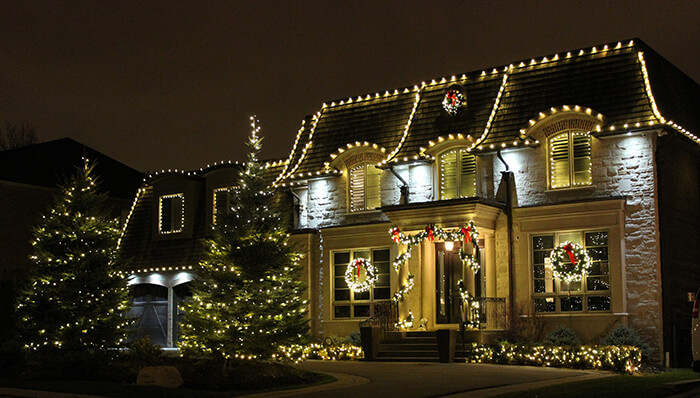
[373, 187]
[559, 165]
[467, 188]
[357, 188]
[582, 158]
[448, 175]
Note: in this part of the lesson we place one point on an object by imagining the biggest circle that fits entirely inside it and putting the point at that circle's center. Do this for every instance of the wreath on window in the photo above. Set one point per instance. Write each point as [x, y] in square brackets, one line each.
[353, 274]
[569, 262]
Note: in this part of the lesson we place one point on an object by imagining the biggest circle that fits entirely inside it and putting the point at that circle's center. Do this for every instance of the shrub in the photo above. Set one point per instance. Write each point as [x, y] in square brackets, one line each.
[562, 336]
[625, 335]
[354, 339]
[526, 327]
[144, 353]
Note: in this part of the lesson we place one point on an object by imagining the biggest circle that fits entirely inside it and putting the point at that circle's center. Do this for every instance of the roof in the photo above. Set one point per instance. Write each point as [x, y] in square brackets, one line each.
[627, 83]
[48, 164]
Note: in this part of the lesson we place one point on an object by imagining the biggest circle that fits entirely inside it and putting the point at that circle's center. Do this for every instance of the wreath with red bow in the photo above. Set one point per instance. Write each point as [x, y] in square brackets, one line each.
[354, 271]
[569, 262]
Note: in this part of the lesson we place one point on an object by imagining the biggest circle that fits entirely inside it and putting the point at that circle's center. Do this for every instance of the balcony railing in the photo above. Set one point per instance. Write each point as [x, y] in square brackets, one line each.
[386, 316]
[486, 313]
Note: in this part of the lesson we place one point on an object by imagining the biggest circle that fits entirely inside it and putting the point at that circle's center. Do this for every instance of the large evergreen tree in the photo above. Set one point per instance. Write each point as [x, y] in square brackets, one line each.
[247, 301]
[76, 297]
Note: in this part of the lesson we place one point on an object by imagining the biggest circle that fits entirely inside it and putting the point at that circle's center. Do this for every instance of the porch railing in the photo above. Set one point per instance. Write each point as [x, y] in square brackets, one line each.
[486, 313]
[386, 316]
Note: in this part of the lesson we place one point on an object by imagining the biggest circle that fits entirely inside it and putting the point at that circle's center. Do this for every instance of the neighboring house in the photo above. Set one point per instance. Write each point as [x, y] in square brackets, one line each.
[596, 146]
[29, 180]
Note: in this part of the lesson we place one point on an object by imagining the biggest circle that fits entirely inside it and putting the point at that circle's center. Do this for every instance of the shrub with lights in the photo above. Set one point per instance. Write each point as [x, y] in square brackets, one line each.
[246, 302]
[76, 297]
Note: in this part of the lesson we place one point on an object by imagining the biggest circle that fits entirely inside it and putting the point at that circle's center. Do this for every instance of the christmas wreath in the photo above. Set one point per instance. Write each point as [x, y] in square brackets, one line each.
[578, 262]
[453, 101]
[353, 272]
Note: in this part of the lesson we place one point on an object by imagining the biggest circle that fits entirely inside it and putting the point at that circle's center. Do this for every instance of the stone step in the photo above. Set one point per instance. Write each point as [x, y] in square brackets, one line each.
[404, 354]
[408, 359]
[407, 346]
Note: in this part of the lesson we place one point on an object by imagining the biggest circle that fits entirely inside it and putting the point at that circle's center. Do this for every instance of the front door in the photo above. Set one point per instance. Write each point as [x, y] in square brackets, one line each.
[448, 273]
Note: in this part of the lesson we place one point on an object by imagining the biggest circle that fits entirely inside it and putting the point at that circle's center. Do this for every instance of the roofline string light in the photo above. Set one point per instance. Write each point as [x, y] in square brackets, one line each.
[407, 126]
[315, 121]
[655, 109]
[128, 217]
[161, 269]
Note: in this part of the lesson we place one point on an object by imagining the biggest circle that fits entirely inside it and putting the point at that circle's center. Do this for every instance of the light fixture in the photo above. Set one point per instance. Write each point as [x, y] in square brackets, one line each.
[449, 245]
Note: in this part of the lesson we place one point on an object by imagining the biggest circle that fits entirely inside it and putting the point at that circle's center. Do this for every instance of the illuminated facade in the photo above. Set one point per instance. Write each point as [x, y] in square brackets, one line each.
[595, 146]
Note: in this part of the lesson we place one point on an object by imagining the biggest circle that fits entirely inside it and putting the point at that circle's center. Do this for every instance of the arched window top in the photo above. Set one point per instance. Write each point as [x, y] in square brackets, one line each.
[456, 174]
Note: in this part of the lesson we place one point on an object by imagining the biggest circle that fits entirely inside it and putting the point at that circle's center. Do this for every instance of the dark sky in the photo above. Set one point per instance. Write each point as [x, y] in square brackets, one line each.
[172, 84]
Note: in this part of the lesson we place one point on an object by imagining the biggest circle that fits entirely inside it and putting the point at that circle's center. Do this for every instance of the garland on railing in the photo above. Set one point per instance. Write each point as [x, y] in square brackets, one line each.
[470, 304]
[465, 234]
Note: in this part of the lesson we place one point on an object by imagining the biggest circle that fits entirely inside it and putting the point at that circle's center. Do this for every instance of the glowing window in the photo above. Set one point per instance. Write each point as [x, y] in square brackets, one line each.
[364, 187]
[569, 159]
[171, 213]
[350, 304]
[457, 179]
[221, 203]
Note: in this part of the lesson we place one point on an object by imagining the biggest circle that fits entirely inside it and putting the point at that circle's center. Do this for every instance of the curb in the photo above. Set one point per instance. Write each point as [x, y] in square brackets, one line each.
[18, 392]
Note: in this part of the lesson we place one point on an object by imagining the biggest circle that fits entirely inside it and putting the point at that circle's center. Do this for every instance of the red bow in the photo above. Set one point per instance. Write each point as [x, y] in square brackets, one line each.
[569, 249]
[396, 234]
[467, 235]
[359, 263]
[429, 229]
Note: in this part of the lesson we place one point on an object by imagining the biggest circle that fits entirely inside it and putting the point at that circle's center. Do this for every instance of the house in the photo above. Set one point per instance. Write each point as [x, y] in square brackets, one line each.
[592, 150]
[29, 180]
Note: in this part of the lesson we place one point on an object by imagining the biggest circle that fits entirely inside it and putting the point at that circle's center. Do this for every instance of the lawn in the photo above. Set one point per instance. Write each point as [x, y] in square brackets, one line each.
[647, 385]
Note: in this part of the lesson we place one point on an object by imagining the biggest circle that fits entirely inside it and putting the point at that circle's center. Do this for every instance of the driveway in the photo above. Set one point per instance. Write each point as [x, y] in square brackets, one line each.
[403, 379]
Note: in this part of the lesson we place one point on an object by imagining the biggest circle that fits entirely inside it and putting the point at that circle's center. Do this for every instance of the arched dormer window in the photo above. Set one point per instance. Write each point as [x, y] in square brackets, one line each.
[569, 159]
[456, 174]
[364, 187]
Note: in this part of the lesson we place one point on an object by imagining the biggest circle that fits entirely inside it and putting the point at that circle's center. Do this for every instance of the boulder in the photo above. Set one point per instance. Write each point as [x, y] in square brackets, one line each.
[160, 376]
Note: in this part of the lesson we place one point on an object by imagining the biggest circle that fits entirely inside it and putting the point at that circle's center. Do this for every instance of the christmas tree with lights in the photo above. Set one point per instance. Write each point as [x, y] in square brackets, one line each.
[76, 298]
[247, 300]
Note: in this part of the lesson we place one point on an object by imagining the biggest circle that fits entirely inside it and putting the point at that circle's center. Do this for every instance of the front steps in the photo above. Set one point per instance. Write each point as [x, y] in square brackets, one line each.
[423, 347]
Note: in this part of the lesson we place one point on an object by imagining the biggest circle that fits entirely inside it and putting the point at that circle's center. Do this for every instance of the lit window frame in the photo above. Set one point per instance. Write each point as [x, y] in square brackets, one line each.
[228, 189]
[340, 274]
[458, 174]
[365, 187]
[172, 229]
[571, 172]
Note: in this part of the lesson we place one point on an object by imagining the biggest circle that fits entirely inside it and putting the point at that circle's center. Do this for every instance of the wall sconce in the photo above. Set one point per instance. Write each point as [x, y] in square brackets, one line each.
[449, 245]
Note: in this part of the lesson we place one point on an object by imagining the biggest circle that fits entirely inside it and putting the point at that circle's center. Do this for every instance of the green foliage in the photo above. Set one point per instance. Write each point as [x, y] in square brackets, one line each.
[76, 297]
[620, 358]
[247, 299]
[625, 335]
[144, 353]
[354, 338]
[561, 336]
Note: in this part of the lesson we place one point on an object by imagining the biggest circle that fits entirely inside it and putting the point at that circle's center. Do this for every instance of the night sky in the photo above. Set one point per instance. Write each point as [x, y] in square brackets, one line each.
[171, 85]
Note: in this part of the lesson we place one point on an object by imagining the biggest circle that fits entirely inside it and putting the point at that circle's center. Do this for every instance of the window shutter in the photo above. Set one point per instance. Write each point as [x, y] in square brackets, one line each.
[448, 175]
[221, 202]
[357, 188]
[178, 222]
[559, 161]
[467, 188]
[166, 214]
[373, 187]
[582, 158]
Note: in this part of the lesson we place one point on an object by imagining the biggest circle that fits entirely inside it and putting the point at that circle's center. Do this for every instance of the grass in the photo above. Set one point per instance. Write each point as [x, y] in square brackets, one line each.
[647, 385]
[114, 389]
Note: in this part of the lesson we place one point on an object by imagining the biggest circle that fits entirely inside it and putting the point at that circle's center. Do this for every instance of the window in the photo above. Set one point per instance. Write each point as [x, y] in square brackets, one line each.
[364, 187]
[222, 202]
[171, 213]
[350, 304]
[591, 294]
[457, 174]
[569, 159]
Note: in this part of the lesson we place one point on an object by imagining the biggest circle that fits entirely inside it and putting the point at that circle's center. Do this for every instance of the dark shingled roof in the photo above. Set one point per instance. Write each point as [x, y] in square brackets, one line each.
[48, 164]
[608, 79]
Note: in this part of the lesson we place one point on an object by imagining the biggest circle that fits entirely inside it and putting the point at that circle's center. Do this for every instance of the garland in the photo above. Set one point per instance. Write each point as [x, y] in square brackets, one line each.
[578, 262]
[352, 275]
[471, 304]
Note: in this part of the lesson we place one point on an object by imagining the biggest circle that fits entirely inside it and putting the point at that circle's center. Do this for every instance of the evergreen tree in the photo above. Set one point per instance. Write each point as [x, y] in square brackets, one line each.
[75, 298]
[247, 301]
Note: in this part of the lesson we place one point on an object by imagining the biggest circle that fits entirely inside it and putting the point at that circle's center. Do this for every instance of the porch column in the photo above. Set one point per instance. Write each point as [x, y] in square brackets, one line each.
[171, 308]
[489, 264]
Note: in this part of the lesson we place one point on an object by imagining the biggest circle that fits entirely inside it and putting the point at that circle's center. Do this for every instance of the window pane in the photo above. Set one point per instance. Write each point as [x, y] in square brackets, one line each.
[361, 311]
[598, 253]
[448, 175]
[538, 270]
[341, 258]
[597, 239]
[545, 304]
[166, 211]
[598, 283]
[382, 293]
[543, 242]
[571, 303]
[342, 295]
[361, 254]
[361, 295]
[384, 280]
[340, 282]
[342, 311]
[598, 303]
[569, 287]
[540, 286]
[539, 256]
[381, 255]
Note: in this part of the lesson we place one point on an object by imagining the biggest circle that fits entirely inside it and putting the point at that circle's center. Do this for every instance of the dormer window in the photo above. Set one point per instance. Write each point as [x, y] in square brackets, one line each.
[364, 187]
[569, 159]
[457, 174]
[171, 213]
[221, 202]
